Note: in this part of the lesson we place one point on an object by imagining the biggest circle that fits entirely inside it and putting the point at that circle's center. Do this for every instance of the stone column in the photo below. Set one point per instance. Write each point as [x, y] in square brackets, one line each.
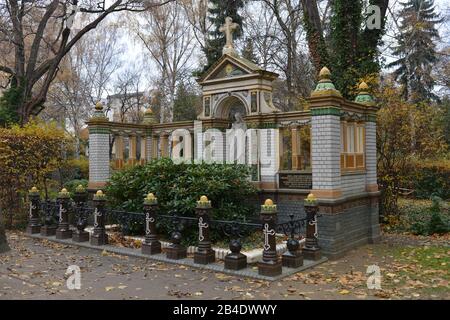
[325, 109]
[311, 251]
[365, 98]
[271, 264]
[63, 231]
[143, 159]
[296, 156]
[204, 253]
[34, 225]
[80, 199]
[99, 236]
[99, 131]
[119, 151]
[164, 145]
[269, 157]
[132, 150]
[151, 245]
[155, 139]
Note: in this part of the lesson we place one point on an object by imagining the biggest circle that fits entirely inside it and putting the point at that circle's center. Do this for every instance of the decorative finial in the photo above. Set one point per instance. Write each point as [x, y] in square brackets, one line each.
[204, 202]
[63, 193]
[99, 195]
[325, 86]
[325, 74]
[150, 199]
[228, 28]
[269, 207]
[80, 189]
[149, 117]
[99, 115]
[364, 97]
[310, 199]
[34, 190]
[363, 86]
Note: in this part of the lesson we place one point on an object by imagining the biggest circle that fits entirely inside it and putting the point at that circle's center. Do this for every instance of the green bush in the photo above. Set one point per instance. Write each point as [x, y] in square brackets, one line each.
[179, 186]
[431, 178]
[73, 184]
[421, 217]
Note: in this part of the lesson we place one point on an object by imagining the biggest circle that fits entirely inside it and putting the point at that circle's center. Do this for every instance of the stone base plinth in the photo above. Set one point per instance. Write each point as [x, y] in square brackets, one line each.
[235, 261]
[48, 231]
[312, 254]
[151, 248]
[99, 240]
[63, 234]
[270, 269]
[205, 257]
[292, 260]
[33, 229]
[80, 236]
[176, 252]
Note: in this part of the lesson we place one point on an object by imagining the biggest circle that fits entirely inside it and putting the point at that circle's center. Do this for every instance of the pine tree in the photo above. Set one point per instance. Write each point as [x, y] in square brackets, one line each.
[249, 51]
[218, 11]
[416, 49]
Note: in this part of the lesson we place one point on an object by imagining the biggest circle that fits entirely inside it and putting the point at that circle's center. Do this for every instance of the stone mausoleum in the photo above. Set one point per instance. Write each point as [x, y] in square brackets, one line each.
[328, 149]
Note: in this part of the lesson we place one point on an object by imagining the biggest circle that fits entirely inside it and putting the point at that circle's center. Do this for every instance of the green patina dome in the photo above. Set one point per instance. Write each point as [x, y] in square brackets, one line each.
[99, 115]
[364, 97]
[325, 86]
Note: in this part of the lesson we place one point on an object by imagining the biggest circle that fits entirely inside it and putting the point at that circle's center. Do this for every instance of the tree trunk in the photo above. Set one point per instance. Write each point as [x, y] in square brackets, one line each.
[3, 243]
[314, 34]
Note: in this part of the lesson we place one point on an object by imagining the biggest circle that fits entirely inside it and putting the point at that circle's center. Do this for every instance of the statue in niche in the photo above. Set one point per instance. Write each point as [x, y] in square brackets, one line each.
[239, 122]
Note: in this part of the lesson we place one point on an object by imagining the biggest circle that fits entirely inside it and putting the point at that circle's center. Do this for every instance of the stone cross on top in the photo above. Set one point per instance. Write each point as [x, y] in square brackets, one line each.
[228, 29]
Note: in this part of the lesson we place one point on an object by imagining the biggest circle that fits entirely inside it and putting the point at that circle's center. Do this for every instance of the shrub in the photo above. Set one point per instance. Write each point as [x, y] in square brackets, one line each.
[72, 184]
[421, 217]
[431, 178]
[27, 155]
[179, 186]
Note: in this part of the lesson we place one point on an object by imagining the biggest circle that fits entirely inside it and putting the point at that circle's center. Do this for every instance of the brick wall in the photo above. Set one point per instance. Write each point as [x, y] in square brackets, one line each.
[325, 156]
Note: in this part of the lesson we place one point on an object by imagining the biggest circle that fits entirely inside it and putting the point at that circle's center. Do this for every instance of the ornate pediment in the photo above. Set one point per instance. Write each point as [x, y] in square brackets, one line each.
[229, 66]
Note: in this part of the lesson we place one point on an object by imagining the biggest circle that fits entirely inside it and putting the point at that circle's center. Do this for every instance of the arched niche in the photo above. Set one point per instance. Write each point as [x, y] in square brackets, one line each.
[228, 106]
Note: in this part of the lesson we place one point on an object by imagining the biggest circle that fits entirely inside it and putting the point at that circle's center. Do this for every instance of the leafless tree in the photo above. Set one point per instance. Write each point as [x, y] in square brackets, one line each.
[83, 79]
[166, 34]
[39, 34]
[129, 98]
[278, 34]
[197, 16]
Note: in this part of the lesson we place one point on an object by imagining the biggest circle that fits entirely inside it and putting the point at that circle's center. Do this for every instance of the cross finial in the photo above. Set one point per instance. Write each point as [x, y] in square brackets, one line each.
[228, 29]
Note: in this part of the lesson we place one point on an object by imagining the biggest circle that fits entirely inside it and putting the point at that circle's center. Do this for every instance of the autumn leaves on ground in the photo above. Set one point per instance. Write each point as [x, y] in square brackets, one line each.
[411, 268]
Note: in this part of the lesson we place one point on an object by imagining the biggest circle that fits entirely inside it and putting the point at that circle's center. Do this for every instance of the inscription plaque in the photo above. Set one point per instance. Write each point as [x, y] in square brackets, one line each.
[295, 180]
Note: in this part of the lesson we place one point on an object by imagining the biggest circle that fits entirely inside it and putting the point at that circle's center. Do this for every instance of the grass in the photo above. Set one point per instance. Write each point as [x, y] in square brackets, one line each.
[420, 270]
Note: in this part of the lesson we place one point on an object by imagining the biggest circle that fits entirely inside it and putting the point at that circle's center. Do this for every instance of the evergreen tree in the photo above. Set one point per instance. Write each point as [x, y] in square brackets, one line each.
[249, 51]
[416, 49]
[345, 32]
[187, 104]
[218, 11]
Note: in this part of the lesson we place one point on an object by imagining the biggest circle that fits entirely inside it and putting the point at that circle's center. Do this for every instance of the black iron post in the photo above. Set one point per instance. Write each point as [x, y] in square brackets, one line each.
[63, 231]
[311, 251]
[270, 264]
[80, 198]
[204, 254]
[151, 244]
[34, 225]
[99, 236]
